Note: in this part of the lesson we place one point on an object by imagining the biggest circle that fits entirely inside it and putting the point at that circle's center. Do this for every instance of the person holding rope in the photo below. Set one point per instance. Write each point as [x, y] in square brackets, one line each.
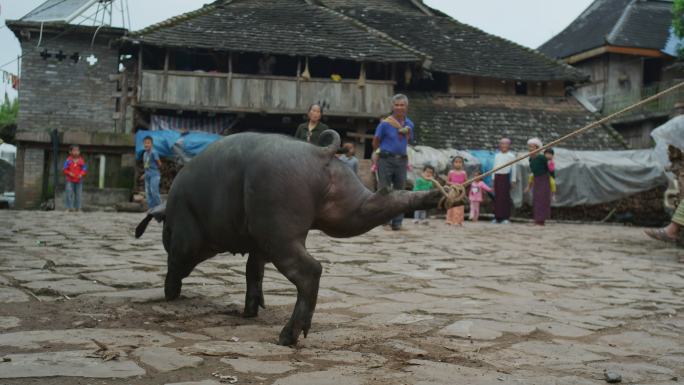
[541, 185]
[391, 142]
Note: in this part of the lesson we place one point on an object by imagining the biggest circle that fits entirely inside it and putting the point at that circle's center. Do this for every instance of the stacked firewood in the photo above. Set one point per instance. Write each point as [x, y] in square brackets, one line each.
[643, 209]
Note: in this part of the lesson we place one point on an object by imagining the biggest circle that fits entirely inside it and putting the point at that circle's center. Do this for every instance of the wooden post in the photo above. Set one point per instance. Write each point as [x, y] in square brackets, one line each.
[299, 79]
[140, 71]
[230, 64]
[165, 85]
[229, 79]
[123, 101]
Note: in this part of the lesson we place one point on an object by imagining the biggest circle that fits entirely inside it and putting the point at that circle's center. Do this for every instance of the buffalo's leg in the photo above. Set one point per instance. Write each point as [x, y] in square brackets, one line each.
[304, 272]
[255, 277]
[184, 253]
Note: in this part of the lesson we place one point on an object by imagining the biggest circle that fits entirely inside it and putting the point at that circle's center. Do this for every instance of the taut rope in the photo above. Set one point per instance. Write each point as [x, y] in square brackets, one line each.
[457, 193]
[577, 132]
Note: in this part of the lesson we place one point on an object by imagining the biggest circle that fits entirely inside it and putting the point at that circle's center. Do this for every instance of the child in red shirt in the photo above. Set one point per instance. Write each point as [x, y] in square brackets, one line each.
[74, 170]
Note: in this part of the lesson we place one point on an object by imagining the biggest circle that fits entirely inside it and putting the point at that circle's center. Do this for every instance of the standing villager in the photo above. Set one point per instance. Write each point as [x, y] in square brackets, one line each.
[75, 170]
[504, 179]
[476, 196]
[457, 176]
[670, 232]
[152, 176]
[541, 185]
[312, 130]
[349, 157]
[423, 183]
[391, 139]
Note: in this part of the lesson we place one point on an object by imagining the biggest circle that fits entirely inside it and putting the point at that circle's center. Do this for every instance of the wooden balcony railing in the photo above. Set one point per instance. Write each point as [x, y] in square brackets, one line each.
[664, 105]
[221, 92]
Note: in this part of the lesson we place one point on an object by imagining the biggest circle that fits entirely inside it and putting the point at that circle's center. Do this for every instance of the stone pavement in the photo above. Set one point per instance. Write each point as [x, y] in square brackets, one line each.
[485, 304]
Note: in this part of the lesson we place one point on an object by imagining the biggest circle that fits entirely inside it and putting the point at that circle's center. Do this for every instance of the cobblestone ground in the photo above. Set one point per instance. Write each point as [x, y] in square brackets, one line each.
[485, 304]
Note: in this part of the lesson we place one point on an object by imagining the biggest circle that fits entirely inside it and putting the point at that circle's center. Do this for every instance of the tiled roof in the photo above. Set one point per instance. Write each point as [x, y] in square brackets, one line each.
[288, 27]
[478, 123]
[457, 48]
[625, 23]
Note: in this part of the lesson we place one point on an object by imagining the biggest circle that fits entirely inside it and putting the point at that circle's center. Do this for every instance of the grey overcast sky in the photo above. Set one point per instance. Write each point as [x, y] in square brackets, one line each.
[527, 22]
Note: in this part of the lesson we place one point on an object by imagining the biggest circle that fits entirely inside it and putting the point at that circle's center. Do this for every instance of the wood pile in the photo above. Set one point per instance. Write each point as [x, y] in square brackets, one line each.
[643, 209]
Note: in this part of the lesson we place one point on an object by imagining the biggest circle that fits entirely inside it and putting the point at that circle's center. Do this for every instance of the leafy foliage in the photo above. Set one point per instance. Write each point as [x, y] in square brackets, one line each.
[8, 119]
[678, 22]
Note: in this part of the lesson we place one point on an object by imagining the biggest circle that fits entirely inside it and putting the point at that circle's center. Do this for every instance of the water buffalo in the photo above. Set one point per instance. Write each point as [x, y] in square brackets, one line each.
[261, 194]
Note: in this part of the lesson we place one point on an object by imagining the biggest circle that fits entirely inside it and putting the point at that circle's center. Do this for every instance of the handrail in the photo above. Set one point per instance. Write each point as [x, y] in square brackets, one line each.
[264, 77]
[616, 101]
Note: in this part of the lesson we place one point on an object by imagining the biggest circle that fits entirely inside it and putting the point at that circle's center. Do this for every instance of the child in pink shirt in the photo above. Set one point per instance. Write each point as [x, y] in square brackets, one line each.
[457, 176]
[476, 196]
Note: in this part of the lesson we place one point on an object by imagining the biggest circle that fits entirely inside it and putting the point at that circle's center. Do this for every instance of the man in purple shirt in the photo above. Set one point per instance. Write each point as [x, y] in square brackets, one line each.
[390, 142]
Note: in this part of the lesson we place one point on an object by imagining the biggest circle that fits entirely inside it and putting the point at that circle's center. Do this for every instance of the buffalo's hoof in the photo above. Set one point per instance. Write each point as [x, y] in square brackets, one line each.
[251, 310]
[287, 338]
[172, 291]
[252, 305]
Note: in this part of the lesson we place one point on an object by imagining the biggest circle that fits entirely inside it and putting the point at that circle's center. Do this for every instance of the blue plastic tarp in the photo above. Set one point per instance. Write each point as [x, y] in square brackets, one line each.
[486, 159]
[163, 141]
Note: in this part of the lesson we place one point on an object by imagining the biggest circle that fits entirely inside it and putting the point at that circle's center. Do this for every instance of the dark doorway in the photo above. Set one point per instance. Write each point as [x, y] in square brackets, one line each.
[653, 68]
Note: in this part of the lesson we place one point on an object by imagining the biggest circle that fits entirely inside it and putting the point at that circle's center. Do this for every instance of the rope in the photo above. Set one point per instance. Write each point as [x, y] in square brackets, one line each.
[574, 133]
[454, 195]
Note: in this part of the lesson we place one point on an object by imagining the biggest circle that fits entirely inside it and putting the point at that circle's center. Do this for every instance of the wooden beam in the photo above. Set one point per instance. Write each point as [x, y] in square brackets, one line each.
[647, 52]
[166, 60]
[140, 72]
[360, 136]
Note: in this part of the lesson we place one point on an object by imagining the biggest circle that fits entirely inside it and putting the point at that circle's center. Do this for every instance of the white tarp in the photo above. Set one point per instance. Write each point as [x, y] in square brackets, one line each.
[582, 177]
[8, 153]
[670, 133]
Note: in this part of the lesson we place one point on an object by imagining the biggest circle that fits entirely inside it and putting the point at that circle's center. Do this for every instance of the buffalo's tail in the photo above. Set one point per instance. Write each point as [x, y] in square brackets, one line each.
[331, 140]
[158, 213]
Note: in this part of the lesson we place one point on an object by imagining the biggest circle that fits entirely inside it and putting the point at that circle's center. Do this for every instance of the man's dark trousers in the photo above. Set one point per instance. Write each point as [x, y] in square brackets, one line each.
[392, 174]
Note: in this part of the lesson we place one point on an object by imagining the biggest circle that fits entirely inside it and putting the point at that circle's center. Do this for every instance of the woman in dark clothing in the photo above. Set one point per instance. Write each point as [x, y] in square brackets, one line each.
[312, 130]
[541, 186]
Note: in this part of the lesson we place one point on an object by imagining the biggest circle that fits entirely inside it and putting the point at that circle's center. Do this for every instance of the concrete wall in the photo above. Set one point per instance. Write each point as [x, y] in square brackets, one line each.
[96, 199]
[63, 94]
[28, 181]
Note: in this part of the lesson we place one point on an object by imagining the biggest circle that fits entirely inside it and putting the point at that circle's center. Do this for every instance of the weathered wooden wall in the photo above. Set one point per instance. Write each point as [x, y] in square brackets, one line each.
[269, 94]
[469, 85]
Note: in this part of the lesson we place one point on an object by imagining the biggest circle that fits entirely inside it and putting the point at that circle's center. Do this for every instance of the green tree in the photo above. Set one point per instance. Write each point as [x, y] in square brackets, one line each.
[678, 23]
[8, 119]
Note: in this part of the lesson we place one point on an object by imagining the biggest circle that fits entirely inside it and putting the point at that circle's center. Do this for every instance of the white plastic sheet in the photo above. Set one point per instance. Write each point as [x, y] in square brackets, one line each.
[670, 133]
[582, 177]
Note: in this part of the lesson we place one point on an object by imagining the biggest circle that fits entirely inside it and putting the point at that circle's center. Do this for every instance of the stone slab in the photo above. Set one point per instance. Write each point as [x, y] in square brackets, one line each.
[9, 322]
[485, 329]
[67, 364]
[12, 295]
[136, 296]
[334, 376]
[126, 278]
[249, 365]
[166, 359]
[71, 287]
[84, 338]
[248, 349]
[206, 382]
